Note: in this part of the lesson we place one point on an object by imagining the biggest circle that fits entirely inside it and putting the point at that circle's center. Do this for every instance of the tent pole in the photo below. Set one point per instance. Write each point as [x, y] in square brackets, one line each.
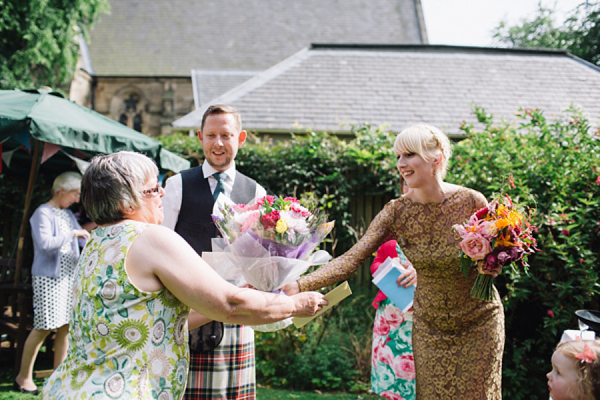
[35, 163]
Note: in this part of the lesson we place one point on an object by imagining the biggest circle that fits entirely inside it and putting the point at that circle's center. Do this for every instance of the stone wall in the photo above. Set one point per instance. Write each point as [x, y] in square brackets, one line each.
[146, 104]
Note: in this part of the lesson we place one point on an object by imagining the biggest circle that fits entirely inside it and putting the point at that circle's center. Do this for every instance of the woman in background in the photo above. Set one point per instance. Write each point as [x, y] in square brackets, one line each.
[392, 363]
[55, 232]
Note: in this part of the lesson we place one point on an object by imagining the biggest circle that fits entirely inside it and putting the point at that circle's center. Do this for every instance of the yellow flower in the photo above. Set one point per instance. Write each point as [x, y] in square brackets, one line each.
[281, 226]
[514, 218]
[502, 223]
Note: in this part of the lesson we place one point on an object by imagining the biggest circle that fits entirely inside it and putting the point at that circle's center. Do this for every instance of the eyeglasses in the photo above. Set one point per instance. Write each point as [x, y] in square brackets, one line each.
[154, 191]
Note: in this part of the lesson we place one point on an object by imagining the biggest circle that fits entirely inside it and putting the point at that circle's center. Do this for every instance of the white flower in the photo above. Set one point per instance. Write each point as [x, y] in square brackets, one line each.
[295, 221]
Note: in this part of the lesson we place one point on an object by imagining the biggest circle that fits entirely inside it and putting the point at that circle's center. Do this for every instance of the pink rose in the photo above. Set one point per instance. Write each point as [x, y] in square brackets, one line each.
[250, 221]
[487, 229]
[270, 220]
[393, 316]
[391, 395]
[404, 367]
[266, 199]
[475, 246]
[381, 327]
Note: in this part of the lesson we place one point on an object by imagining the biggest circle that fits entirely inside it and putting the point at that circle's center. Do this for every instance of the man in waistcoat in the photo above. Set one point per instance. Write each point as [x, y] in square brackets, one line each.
[227, 370]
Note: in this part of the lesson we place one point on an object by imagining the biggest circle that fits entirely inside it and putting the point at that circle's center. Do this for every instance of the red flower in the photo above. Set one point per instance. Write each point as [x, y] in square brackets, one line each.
[565, 232]
[551, 313]
[598, 180]
[270, 220]
[481, 213]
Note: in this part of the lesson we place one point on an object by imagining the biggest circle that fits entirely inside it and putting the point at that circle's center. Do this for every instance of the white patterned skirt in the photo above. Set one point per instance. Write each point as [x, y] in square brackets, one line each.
[53, 297]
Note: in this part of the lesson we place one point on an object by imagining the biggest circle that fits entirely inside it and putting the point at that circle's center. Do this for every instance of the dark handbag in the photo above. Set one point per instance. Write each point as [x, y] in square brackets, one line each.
[207, 337]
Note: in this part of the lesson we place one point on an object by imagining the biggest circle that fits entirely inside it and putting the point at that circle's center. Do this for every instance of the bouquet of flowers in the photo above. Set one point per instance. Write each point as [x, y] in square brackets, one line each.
[269, 242]
[494, 237]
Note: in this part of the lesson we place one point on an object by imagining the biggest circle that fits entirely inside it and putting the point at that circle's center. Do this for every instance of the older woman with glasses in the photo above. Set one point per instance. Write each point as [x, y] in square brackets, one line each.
[55, 233]
[136, 285]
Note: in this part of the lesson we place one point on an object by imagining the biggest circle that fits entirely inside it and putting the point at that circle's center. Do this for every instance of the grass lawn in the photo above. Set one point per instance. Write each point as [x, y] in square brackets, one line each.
[7, 376]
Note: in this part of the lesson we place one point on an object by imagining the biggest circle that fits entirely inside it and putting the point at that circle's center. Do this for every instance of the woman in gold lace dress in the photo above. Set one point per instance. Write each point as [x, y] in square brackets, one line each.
[458, 340]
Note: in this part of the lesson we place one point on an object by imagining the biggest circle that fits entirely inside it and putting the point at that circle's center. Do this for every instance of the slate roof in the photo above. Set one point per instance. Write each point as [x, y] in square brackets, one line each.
[169, 38]
[207, 85]
[329, 87]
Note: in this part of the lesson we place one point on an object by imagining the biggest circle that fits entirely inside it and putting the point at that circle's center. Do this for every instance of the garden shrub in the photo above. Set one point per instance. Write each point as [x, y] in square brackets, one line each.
[556, 169]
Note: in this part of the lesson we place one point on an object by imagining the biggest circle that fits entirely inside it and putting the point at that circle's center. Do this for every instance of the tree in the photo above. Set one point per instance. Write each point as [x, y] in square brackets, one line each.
[38, 40]
[579, 33]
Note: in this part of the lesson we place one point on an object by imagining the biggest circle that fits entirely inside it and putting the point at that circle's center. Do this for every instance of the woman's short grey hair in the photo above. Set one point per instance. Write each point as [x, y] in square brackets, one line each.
[426, 141]
[113, 183]
[66, 181]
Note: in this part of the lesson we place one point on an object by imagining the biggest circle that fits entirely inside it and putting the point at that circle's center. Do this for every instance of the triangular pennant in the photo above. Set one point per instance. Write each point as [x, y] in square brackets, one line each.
[81, 165]
[7, 156]
[80, 154]
[24, 138]
[50, 149]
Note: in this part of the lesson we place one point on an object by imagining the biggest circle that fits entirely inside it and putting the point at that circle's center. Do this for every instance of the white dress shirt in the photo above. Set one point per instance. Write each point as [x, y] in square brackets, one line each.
[171, 201]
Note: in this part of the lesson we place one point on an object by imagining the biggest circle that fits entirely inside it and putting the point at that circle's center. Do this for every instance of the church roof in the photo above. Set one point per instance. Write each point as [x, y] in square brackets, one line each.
[170, 38]
[332, 86]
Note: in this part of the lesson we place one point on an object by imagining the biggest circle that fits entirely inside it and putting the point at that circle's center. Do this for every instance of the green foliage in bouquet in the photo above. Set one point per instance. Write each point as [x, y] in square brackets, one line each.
[556, 170]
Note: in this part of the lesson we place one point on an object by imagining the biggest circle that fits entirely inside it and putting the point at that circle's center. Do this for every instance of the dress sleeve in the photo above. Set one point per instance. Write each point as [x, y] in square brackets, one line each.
[342, 267]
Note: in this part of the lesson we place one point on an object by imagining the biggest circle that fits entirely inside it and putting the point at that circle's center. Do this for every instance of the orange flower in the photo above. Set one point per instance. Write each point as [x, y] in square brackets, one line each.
[502, 223]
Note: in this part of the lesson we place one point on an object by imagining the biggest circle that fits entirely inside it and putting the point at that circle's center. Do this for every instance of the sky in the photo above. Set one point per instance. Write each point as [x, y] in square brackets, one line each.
[470, 22]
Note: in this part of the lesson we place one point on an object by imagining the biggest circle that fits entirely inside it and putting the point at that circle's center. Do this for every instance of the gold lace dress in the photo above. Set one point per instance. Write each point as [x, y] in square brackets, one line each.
[458, 340]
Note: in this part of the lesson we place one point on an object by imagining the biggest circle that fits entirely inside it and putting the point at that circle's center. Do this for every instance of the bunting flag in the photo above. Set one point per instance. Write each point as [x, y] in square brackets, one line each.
[7, 156]
[81, 165]
[23, 138]
[50, 149]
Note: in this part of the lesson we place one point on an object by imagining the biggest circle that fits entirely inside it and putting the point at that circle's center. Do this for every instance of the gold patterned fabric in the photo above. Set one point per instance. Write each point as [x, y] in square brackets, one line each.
[458, 341]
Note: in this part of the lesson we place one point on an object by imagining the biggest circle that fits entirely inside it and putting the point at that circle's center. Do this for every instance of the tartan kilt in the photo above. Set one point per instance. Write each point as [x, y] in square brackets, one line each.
[227, 372]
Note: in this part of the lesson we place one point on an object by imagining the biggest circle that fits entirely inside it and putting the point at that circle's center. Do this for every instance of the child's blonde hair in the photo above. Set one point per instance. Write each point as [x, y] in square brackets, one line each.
[588, 369]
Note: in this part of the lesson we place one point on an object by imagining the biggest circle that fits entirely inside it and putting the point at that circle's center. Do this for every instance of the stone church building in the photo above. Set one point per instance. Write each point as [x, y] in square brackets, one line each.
[150, 62]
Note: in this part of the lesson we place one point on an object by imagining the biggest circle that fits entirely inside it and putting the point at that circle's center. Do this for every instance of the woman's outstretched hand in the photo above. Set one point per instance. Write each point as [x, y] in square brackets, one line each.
[308, 303]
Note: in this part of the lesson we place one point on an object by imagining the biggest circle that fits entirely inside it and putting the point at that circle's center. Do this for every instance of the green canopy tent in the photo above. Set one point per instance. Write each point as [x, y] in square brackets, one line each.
[38, 117]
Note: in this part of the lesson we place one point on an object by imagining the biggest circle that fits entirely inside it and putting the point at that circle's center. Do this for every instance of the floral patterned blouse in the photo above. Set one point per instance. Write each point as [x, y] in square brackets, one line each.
[123, 342]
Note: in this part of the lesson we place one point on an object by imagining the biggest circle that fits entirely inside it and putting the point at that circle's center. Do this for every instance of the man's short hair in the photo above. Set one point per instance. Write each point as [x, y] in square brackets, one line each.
[218, 109]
